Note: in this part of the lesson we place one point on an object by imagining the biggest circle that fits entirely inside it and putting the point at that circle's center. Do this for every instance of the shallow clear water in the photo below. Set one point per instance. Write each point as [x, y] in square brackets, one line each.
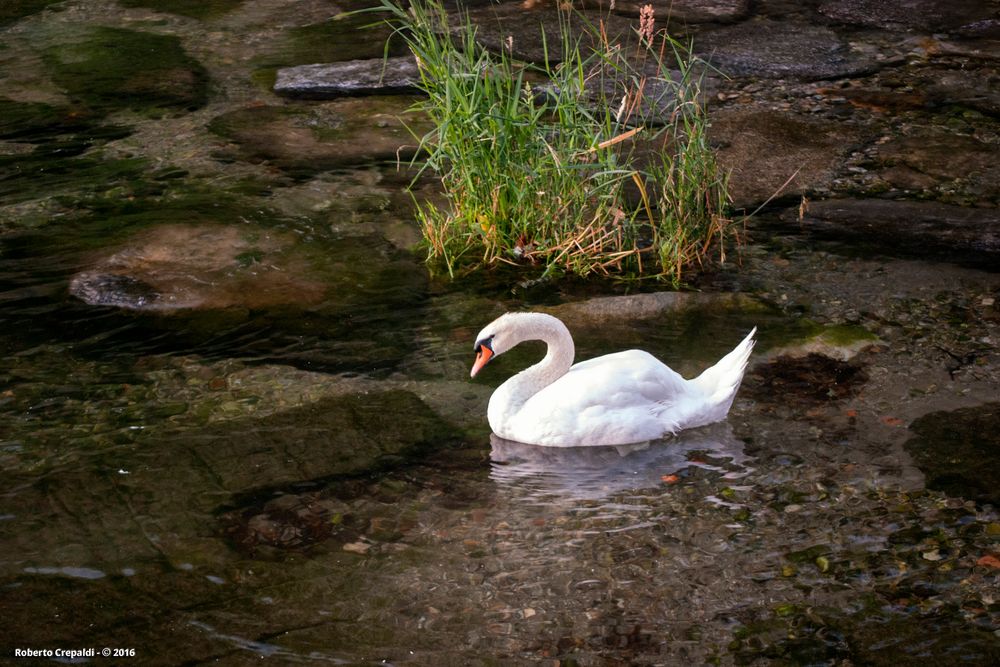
[312, 480]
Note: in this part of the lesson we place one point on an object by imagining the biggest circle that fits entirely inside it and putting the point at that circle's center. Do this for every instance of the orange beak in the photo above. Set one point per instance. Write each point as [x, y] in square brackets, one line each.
[483, 355]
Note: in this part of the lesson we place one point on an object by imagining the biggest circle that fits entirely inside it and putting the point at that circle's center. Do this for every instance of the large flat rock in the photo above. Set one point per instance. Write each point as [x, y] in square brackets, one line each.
[343, 434]
[196, 266]
[178, 268]
[325, 135]
[353, 77]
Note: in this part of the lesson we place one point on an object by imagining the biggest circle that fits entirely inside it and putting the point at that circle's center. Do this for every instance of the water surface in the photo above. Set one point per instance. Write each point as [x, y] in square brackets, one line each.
[313, 481]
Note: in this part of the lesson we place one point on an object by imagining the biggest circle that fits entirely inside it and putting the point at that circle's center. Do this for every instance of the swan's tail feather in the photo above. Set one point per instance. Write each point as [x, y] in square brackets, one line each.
[721, 382]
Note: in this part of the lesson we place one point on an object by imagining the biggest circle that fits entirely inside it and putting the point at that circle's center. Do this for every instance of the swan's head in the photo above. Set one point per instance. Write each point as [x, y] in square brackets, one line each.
[507, 331]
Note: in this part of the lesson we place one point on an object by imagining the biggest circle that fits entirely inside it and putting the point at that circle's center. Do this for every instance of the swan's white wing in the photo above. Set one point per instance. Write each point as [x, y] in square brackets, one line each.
[623, 397]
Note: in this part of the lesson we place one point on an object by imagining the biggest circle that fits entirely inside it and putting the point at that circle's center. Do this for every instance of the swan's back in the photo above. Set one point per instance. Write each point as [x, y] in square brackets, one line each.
[623, 397]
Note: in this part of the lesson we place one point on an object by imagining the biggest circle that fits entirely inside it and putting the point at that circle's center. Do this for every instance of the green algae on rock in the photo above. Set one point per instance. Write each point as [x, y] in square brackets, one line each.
[352, 431]
[109, 69]
[842, 342]
[32, 121]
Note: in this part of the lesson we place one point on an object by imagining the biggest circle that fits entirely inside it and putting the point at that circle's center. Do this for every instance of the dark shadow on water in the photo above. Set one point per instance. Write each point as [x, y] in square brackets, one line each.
[592, 473]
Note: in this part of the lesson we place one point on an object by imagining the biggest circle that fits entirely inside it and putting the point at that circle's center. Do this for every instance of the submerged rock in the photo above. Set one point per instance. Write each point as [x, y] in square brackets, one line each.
[12, 10]
[924, 228]
[326, 135]
[176, 266]
[336, 37]
[347, 434]
[959, 452]
[810, 380]
[354, 77]
[288, 522]
[110, 68]
[36, 122]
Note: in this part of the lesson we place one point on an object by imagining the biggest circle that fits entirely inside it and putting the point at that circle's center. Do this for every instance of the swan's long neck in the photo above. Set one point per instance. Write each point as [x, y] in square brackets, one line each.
[512, 394]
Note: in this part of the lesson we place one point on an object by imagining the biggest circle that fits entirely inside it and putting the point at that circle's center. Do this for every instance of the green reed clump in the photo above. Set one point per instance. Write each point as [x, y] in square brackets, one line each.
[572, 165]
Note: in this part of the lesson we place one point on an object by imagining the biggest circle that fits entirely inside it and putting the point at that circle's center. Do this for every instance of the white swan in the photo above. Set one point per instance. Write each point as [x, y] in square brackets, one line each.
[616, 399]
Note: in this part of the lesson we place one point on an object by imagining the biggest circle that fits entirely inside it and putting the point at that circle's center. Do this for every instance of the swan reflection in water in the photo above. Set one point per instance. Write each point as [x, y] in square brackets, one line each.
[592, 473]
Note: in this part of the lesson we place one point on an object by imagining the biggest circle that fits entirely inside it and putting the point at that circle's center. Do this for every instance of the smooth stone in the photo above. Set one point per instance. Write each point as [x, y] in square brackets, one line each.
[763, 150]
[923, 227]
[779, 50]
[353, 77]
[327, 135]
[346, 434]
[930, 15]
[179, 266]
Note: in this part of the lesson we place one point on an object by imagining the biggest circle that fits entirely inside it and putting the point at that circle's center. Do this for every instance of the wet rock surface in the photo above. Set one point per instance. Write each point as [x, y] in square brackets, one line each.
[933, 158]
[177, 267]
[354, 77]
[812, 379]
[325, 135]
[110, 68]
